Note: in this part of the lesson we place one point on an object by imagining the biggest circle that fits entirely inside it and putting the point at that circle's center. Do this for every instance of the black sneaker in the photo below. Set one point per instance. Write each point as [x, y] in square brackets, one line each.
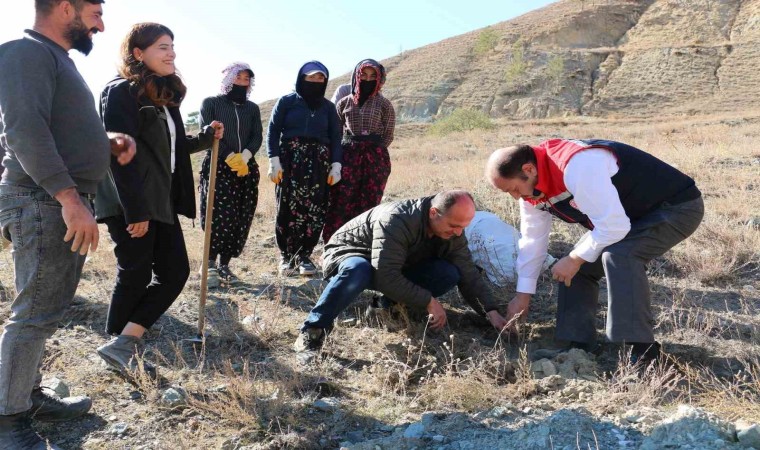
[310, 339]
[306, 267]
[643, 353]
[308, 344]
[380, 309]
[226, 275]
[48, 407]
[16, 433]
[287, 266]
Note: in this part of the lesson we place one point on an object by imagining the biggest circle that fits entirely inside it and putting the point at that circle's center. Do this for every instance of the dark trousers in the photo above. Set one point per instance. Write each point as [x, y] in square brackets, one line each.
[152, 270]
[355, 274]
[629, 314]
[301, 196]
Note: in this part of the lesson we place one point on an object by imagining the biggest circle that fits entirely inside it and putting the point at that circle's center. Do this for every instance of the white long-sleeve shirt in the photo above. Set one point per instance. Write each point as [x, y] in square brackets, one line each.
[588, 177]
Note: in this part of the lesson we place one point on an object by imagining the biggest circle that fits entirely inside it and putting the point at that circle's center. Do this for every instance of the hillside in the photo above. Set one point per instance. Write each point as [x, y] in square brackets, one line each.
[603, 58]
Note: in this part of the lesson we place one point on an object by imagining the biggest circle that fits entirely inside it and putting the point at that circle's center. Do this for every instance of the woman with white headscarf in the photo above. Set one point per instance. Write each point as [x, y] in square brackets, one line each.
[237, 178]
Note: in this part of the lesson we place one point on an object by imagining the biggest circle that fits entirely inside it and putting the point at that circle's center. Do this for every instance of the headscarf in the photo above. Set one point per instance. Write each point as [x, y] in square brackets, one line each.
[356, 81]
[230, 72]
[316, 99]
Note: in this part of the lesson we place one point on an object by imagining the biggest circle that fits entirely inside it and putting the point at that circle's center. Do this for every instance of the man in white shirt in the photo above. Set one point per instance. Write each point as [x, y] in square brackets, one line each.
[635, 206]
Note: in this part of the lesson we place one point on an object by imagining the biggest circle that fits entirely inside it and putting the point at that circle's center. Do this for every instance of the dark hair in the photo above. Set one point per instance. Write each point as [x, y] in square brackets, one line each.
[510, 166]
[44, 7]
[142, 36]
[443, 201]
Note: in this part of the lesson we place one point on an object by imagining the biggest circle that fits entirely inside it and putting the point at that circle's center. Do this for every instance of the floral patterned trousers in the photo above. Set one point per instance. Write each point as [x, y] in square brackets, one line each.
[366, 168]
[235, 200]
[301, 196]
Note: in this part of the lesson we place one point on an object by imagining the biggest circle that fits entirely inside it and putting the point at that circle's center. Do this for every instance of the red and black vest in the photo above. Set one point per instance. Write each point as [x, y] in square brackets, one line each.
[643, 182]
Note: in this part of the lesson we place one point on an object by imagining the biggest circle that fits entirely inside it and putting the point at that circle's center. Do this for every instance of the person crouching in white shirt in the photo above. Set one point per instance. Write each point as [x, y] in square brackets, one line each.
[635, 206]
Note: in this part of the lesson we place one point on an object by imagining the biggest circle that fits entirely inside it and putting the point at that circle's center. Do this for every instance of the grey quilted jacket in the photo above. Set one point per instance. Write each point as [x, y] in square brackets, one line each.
[393, 236]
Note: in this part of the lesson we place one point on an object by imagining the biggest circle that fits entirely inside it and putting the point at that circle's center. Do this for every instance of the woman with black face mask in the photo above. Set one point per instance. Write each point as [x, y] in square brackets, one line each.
[368, 121]
[303, 144]
[237, 177]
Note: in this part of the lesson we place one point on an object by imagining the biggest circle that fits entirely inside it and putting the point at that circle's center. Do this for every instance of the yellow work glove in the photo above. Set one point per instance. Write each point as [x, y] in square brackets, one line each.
[243, 171]
[235, 161]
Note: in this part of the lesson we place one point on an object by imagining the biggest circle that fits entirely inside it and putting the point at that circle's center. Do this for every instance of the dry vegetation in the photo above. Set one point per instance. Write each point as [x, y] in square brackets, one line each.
[245, 384]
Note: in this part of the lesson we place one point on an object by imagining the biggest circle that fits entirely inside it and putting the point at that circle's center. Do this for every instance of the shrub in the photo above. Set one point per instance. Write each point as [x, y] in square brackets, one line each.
[517, 67]
[487, 40]
[461, 120]
[555, 69]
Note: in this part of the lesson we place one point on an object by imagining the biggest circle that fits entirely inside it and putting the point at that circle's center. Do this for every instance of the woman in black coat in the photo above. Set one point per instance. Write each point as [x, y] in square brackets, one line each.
[140, 202]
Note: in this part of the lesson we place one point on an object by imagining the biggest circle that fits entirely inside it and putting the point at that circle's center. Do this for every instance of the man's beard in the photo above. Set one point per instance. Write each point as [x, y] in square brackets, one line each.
[78, 36]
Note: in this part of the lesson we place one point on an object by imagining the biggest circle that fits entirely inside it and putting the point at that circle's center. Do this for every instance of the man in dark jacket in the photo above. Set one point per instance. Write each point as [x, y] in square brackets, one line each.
[635, 207]
[412, 251]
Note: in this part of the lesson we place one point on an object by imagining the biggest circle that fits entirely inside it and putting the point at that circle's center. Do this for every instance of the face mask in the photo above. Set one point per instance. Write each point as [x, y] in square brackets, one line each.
[312, 92]
[366, 88]
[238, 94]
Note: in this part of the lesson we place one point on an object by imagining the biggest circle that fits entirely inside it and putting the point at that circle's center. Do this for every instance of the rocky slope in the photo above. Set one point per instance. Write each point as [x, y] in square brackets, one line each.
[596, 57]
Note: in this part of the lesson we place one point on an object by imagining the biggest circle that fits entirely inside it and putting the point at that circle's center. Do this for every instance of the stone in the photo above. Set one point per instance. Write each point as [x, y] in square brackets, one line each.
[250, 321]
[748, 434]
[232, 443]
[135, 395]
[355, 436]
[688, 426]
[548, 368]
[118, 429]
[58, 386]
[327, 404]
[414, 431]
[427, 419]
[439, 438]
[173, 397]
[753, 222]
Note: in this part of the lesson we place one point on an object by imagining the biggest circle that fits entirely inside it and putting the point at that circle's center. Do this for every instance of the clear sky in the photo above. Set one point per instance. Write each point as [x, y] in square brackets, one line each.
[275, 37]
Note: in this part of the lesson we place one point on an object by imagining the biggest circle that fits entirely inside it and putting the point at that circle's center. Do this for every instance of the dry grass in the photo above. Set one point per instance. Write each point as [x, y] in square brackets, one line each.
[245, 384]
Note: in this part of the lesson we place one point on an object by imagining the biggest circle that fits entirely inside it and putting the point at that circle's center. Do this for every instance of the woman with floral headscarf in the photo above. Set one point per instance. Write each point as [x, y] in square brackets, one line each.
[303, 144]
[237, 177]
[368, 121]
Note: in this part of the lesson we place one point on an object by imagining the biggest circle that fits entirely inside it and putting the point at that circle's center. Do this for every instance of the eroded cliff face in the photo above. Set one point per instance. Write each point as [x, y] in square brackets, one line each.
[608, 58]
[596, 57]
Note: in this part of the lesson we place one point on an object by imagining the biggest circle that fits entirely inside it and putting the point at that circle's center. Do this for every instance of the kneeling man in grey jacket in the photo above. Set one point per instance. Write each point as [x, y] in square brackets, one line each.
[412, 251]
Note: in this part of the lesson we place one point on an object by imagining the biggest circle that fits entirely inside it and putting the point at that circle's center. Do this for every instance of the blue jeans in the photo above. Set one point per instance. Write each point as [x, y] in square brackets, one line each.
[355, 274]
[47, 273]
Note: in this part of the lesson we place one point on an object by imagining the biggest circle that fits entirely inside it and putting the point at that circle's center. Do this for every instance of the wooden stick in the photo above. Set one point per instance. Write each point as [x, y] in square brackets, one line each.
[207, 237]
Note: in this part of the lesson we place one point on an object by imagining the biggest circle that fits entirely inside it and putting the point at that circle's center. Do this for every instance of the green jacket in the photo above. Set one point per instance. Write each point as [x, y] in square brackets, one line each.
[393, 236]
[146, 189]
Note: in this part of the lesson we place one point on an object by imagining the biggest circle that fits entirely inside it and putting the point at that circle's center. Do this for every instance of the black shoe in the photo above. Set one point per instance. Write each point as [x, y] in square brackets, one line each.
[226, 275]
[380, 308]
[306, 267]
[48, 407]
[16, 433]
[310, 339]
[643, 353]
[287, 266]
[308, 345]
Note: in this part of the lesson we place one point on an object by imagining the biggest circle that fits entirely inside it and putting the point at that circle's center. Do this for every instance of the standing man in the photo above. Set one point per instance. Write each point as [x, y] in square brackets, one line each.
[56, 154]
[412, 251]
[635, 207]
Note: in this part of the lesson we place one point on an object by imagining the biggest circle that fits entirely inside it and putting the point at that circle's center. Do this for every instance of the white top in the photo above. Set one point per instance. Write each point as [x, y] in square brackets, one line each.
[172, 135]
[588, 177]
